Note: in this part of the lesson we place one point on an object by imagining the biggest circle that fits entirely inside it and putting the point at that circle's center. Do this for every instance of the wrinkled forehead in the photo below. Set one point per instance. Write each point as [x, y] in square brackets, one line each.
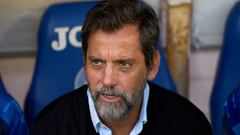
[121, 42]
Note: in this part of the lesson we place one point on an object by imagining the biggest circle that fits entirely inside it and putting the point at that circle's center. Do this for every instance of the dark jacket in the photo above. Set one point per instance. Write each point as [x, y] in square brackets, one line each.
[167, 114]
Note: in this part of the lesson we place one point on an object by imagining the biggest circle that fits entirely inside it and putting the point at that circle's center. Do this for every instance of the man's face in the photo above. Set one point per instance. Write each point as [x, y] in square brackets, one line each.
[116, 71]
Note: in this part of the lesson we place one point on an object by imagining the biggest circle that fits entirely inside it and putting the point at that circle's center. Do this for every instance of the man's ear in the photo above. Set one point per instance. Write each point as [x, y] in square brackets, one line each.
[155, 66]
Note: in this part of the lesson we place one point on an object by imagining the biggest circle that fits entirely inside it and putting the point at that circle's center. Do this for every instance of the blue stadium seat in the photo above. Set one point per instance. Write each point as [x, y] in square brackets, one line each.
[232, 113]
[12, 121]
[59, 55]
[228, 70]
[164, 77]
[58, 68]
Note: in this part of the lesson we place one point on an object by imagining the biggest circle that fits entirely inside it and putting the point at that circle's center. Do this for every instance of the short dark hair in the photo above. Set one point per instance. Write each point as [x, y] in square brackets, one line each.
[112, 15]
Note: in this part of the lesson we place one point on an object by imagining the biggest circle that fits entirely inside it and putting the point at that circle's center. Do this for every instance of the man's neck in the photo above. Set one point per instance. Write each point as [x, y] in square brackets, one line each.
[125, 126]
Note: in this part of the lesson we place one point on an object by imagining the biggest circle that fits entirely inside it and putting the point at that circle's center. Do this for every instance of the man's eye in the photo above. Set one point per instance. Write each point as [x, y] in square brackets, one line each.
[125, 65]
[96, 62]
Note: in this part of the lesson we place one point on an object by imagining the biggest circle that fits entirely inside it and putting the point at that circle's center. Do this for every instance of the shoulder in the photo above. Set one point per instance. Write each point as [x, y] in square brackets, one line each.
[67, 101]
[170, 100]
[61, 112]
[173, 110]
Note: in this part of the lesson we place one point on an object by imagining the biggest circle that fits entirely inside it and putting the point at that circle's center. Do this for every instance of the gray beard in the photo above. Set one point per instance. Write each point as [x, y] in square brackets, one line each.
[120, 110]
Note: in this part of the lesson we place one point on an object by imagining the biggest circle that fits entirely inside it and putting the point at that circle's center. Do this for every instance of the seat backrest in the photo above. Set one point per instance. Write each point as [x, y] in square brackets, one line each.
[59, 62]
[59, 55]
[232, 113]
[164, 77]
[228, 73]
[11, 115]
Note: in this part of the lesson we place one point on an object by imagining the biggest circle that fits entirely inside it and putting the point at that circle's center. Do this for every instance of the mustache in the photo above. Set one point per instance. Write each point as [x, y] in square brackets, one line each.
[110, 92]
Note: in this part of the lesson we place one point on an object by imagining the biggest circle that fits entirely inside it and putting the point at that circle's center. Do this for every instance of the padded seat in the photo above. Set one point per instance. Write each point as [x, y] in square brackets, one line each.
[228, 71]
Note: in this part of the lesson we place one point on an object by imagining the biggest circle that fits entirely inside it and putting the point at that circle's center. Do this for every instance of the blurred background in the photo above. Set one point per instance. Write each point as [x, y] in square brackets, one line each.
[19, 21]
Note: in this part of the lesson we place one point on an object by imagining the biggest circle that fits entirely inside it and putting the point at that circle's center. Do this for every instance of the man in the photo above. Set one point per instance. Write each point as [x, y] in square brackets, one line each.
[119, 43]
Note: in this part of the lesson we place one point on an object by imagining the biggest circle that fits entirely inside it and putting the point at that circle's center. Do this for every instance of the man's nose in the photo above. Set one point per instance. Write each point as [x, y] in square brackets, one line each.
[109, 77]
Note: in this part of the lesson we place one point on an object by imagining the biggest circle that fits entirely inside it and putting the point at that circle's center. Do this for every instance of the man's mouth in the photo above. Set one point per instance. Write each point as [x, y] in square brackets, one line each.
[110, 98]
